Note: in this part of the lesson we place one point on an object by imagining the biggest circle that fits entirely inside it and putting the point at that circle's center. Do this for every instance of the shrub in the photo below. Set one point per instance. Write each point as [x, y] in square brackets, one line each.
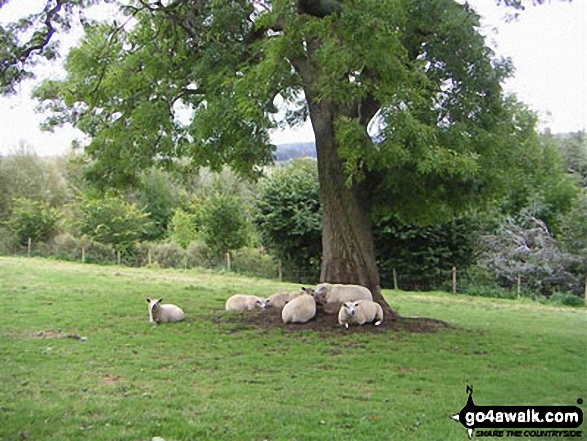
[66, 247]
[559, 298]
[254, 262]
[100, 253]
[33, 220]
[198, 255]
[169, 255]
[482, 290]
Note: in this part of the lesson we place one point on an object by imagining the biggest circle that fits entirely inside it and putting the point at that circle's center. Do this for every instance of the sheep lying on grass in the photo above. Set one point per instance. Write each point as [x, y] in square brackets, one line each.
[300, 310]
[240, 302]
[359, 313]
[280, 299]
[332, 296]
[159, 313]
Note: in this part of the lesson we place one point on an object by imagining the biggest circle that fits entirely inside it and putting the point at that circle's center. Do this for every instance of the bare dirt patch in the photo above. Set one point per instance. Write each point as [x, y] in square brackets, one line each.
[271, 319]
[56, 335]
[111, 380]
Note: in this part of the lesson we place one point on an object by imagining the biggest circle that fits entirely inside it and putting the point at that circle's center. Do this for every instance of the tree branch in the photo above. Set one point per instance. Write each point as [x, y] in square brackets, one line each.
[50, 31]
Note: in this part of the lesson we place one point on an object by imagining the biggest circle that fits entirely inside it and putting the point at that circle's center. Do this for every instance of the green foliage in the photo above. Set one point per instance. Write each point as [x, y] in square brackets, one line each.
[573, 149]
[163, 255]
[159, 197]
[254, 262]
[199, 255]
[33, 219]
[424, 255]
[182, 228]
[287, 214]
[224, 223]
[573, 227]
[565, 299]
[113, 221]
[24, 175]
[539, 186]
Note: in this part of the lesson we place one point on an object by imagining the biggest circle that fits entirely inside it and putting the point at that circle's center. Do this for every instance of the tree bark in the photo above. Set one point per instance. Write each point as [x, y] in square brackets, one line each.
[348, 254]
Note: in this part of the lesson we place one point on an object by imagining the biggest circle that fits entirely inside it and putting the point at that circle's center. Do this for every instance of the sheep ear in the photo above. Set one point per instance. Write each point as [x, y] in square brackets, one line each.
[148, 300]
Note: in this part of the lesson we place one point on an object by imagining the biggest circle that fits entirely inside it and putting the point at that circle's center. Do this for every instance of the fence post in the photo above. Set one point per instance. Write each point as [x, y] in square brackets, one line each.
[118, 258]
[28, 247]
[395, 287]
[228, 261]
[280, 272]
[149, 257]
[519, 282]
[586, 290]
[454, 279]
[83, 254]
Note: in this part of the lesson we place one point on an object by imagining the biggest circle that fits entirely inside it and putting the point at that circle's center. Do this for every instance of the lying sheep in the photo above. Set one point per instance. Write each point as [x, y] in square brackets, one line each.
[301, 309]
[280, 299]
[159, 313]
[240, 302]
[360, 312]
[332, 296]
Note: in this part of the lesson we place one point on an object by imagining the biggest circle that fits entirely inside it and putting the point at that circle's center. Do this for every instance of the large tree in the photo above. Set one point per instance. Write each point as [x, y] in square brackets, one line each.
[403, 95]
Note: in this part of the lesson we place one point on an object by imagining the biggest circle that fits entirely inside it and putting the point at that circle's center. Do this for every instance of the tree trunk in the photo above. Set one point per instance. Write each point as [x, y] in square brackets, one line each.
[348, 254]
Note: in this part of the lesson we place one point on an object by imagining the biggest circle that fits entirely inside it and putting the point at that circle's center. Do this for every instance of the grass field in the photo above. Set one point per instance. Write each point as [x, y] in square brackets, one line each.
[216, 377]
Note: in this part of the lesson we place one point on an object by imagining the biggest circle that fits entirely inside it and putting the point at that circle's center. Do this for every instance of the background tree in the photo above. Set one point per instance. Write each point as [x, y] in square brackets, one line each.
[183, 228]
[416, 72]
[525, 250]
[288, 217]
[573, 149]
[159, 196]
[112, 221]
[35, 220]
[25, 175]
[224, 225]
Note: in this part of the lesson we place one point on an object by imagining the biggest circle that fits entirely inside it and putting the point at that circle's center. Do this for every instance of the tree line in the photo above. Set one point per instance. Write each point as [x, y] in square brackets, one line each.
[535, 238]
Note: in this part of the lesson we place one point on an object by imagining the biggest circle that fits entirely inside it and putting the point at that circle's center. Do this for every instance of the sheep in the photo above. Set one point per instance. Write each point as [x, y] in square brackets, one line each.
[360, 312]
[332, 296]
[163, 313]
[300, 310]
[240, 302]
[280, 299]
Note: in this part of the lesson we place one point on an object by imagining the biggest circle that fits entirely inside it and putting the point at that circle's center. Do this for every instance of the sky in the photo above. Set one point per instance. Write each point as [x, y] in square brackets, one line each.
[548, 45]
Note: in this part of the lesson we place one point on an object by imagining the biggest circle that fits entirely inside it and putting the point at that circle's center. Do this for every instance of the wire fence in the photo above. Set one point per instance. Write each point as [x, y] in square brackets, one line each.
[258, 263]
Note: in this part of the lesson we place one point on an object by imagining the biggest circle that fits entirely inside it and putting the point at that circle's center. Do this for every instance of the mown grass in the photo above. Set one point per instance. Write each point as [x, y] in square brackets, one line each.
[212, 377]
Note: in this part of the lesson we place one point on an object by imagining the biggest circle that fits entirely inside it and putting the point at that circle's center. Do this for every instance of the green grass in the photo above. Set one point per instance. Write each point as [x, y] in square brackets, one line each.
[211, 377]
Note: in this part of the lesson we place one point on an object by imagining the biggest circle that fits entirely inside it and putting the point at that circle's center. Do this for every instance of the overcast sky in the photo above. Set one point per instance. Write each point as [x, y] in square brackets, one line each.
[547, 43]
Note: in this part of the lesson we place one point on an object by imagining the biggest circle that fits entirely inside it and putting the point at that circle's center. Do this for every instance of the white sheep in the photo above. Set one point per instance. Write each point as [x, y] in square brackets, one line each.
[332, 296]
[240, 302]
[360, 312]
[301, 309]
[159, 313]
[280, 299]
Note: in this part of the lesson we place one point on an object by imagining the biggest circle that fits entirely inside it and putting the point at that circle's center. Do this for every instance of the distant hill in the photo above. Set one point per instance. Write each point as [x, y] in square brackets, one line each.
[288, 151]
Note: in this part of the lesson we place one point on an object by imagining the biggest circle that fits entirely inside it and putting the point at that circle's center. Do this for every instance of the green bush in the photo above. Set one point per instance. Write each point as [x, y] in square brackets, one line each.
[198, 255]
[169, 255]
[7, 241]
[33, 220]
[66, 247]
[489, 290]
[100, 253]
[254, 262]
[559, 298]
